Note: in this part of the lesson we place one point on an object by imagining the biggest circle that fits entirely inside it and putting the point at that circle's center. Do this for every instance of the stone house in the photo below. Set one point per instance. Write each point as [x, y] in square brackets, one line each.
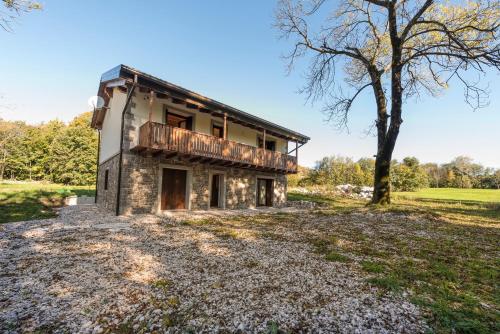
[163, 147]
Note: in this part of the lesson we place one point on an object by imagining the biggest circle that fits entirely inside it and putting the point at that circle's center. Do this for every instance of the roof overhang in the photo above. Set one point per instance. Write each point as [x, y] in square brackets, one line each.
[123, 76]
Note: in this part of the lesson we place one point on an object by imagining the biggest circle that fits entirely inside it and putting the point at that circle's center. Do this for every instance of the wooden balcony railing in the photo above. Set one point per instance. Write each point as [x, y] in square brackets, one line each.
[157, 137]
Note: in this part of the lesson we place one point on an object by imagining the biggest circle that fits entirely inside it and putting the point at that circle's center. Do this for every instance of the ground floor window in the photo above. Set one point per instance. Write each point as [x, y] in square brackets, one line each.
[265, 192]
[106, 178]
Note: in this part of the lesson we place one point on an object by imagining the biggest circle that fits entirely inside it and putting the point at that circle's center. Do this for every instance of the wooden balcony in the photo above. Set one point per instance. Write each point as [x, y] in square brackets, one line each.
[161, 139]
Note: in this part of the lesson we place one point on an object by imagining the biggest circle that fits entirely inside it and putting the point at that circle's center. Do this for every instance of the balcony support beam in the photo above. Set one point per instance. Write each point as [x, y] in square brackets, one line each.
[297, 156]
[225, 126]
[151, 101]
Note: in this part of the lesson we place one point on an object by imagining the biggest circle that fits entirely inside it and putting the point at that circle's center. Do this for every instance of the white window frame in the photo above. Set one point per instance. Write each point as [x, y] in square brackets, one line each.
[222, 188]
[268, 177]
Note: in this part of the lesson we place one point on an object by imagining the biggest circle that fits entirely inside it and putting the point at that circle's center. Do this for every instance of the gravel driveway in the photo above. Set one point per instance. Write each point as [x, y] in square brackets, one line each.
[90, 272]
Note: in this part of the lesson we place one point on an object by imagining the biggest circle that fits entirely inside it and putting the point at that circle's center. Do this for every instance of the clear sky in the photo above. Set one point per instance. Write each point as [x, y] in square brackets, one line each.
[227, 50]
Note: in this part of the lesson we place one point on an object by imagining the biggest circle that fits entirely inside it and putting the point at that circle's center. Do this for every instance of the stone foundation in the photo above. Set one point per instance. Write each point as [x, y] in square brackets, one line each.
[141, 185]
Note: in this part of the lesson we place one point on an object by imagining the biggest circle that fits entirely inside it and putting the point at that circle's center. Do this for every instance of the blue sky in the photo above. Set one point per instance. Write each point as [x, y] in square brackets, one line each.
[227, 50]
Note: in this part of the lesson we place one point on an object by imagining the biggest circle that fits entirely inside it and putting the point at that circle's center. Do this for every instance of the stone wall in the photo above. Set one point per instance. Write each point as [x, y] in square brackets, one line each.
[107, 198]
[200, 192]
[141, 178]
[280, 190]
[240, 189]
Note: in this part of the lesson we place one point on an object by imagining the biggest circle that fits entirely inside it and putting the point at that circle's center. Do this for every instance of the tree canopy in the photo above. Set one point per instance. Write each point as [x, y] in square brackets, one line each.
[50, 151]
[13, 9]
[406, 175]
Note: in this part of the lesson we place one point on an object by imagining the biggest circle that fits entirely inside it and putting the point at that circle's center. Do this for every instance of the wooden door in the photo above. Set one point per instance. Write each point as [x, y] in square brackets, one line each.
[269, 192]
[173, 189]
[214, 195]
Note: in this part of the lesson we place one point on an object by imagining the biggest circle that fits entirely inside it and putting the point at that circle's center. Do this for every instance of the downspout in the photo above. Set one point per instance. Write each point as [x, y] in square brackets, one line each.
[97, 169]
[119, 185]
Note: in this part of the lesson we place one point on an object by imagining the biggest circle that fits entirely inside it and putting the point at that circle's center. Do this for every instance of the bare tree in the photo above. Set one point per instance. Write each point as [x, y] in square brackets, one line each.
[399, 49]
[13, 9]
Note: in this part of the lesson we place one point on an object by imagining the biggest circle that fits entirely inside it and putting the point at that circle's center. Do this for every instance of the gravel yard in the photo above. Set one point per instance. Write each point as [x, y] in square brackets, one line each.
[90, 272]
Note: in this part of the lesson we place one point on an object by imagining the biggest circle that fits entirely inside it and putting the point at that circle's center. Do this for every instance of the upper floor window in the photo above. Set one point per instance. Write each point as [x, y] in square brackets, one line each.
[217, 130]
[179, 121]
[270, 144]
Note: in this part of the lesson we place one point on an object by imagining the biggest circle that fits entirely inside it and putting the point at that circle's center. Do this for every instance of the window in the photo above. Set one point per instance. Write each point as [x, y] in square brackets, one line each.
[270, 144]
[106, 176]
[179, 121]
[217, 131]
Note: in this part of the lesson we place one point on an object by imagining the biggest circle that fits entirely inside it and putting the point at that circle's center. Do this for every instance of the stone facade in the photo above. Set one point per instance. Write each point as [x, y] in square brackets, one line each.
[107, 197]
[140, 184]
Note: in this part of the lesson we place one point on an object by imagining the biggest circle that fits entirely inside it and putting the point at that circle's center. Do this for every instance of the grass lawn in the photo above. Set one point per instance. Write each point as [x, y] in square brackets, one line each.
[468, 195]
[27, 201]
[445, 254]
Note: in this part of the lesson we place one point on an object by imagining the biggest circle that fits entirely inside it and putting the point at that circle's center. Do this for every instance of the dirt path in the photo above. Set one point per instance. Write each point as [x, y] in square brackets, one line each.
[88, 271]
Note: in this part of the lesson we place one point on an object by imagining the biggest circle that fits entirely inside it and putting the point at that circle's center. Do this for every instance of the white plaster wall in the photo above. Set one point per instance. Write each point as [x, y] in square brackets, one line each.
[110, 133]
[241, 134]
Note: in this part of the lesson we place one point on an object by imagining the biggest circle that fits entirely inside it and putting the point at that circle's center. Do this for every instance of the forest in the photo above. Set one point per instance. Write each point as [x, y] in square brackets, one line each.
[66, 154]
[53, 151]
[406, 175]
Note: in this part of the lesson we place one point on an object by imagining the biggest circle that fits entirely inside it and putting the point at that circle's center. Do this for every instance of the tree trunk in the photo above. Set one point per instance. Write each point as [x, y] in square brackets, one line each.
[387, 137]
[2, 170]
[387, 140]
[382, 184]
[381, 192]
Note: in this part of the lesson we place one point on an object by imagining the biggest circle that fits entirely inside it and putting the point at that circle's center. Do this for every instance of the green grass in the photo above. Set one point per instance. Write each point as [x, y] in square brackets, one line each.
[336, 257]
[28, 201]
[445, 253]
[389, 283]
[372, 267]
[453, 194]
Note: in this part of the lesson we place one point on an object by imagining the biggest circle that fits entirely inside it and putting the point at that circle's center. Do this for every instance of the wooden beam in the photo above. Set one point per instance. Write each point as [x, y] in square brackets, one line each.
[296, 148]
[170, 155]
[138, 148]
[225, 126]
[151, 100]
[195, 159]
[157, 153]
[297, 151]
[154, 151]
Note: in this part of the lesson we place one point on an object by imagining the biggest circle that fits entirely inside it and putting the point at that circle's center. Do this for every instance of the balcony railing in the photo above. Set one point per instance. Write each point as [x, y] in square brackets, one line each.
[158, 138]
